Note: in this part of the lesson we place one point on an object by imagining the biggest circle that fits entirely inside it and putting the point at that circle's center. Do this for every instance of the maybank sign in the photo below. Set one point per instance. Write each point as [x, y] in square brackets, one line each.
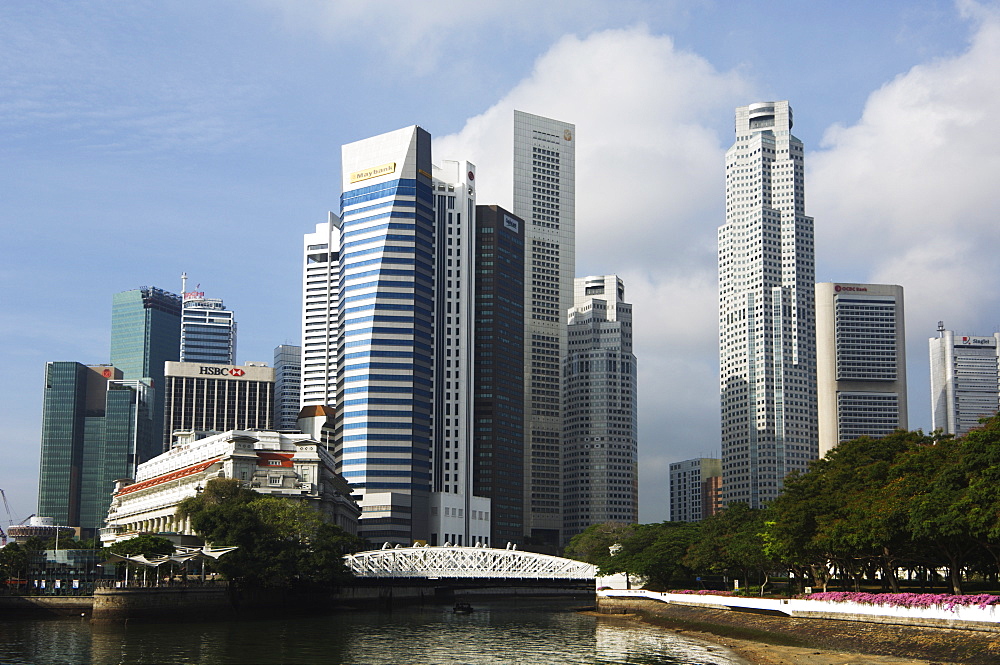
[374, 172]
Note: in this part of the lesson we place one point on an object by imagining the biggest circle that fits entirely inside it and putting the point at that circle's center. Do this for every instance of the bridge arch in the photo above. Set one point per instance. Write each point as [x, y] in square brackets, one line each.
[454, 562]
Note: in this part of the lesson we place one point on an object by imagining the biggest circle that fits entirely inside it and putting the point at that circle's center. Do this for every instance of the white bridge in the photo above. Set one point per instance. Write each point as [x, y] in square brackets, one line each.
[451, 562]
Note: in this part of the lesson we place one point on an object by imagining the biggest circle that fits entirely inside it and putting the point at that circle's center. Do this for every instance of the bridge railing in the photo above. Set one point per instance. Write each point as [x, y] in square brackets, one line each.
[449, 562]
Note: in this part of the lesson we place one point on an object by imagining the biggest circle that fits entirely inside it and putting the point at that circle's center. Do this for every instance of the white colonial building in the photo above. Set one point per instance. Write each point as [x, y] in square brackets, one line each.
[272, 463]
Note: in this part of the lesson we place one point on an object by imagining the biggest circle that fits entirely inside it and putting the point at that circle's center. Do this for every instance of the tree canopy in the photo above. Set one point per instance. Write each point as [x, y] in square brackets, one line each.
[282, 542]
[145, 544]
[869, 509]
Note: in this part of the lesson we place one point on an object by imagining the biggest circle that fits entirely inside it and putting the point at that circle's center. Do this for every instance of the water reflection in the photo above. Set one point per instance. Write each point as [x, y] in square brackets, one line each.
[528, 631]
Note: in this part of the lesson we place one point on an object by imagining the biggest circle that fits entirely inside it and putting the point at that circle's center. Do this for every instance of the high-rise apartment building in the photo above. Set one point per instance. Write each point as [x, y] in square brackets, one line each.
[320, 293]
[208, 329]
[145, 333]
[767, 319]
[694, 489]
[860, 361]
[457, 515]
[212, 398]
[385, 331]
[600, 448]
[498, 436]
[96, 428]
[964, 380]
[287, 386]
[545, 198]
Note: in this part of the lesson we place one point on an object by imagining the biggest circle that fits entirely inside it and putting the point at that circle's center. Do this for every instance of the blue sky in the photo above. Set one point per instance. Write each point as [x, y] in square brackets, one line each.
[143, 139]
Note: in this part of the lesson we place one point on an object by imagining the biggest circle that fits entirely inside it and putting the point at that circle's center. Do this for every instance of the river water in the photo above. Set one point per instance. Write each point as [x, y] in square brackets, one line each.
[537, 632]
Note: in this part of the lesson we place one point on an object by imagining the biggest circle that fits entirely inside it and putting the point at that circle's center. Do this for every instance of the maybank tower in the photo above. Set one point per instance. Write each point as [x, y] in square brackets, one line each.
[385, 332]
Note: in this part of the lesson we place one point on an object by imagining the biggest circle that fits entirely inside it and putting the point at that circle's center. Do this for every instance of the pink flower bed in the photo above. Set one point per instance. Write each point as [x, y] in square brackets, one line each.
[703, 592]
[906, 599]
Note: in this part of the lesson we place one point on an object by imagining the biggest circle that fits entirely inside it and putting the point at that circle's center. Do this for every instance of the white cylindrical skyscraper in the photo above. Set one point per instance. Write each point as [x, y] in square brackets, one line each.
[767, 319]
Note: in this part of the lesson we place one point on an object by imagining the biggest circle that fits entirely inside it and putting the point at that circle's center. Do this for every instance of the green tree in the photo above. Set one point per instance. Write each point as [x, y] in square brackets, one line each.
[979, 503]
[594, 544]
[931, 483]
[732, 542]
[13, 562]
[145, 544]
[655, 552]
[282, 542]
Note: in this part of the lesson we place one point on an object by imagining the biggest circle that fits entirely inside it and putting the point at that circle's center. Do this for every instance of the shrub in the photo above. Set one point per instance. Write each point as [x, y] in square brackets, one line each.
[944, 600]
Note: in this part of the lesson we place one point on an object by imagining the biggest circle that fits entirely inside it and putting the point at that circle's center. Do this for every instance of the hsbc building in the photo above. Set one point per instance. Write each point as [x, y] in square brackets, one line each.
[211, 398]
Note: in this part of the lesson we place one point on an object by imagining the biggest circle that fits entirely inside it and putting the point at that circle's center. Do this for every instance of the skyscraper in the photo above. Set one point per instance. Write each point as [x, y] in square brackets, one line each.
[498, 436]
[385, 332]
[457, 515]
[320, 297]
[208, 329]
[545, 198]
[213, 398]
[860, 362]
[767, 319]
[600, 450]
[964, 380]
[287, 386]
[694, 489]
[96, 428]
[145, 333]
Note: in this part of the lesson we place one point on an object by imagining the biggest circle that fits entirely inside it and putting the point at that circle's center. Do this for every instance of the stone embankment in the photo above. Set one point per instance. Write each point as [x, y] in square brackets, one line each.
[766, 635]
[30, 607]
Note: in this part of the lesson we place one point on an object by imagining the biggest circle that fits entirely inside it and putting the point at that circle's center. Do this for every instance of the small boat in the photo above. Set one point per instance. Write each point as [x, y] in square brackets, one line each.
[463, 608]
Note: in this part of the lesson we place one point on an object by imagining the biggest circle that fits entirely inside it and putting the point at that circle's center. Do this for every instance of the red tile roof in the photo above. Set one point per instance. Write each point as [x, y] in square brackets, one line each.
[264, 458]
[173, 475]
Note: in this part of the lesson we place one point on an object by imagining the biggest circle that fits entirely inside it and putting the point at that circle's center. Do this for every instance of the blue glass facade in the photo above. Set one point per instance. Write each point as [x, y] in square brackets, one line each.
[94, 428]
[386, 332]
[145, 334]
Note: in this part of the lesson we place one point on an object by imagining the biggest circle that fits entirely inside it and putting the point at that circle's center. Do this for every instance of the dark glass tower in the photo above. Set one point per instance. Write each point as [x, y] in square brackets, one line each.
[95, 428]
[498, 440]
[146, 333]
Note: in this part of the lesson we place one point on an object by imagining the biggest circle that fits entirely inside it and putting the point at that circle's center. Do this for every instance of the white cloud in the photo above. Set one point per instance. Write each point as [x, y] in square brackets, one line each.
[430, 37]
[907, 195]
[649, 200]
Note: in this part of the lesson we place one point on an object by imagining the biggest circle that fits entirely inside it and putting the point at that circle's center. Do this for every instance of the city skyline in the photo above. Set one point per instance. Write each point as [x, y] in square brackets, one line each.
[256, 160]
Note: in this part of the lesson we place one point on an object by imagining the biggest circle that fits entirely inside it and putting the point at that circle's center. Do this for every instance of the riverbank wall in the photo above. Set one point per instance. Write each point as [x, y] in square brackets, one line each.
[179, 603]
[109, 604]
[623, 601]
[33, 607]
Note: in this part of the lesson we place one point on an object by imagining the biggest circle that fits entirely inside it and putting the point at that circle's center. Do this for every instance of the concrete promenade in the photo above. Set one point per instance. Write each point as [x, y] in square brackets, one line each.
[614, 601]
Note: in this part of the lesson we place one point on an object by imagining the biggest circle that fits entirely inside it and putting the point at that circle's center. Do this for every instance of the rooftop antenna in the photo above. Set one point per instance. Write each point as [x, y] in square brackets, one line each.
[940, 328]
[184, 284]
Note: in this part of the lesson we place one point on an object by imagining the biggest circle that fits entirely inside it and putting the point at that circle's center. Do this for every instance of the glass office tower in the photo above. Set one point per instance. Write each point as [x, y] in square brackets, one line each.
[498, 437]
[208, 329]
[96, 427]
[545, 198]
[600, 452]
[145, 334]
[385, 343]
[287, 386]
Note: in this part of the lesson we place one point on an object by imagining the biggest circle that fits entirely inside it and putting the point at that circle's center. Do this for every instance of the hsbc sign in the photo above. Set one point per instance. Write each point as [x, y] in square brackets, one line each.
[220, 370]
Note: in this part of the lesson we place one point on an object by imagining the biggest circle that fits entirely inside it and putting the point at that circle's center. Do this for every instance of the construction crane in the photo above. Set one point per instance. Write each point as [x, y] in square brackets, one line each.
[10, 520]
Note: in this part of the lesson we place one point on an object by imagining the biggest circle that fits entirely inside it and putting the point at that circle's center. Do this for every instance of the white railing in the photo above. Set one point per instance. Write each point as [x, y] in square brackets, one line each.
[466, 562]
